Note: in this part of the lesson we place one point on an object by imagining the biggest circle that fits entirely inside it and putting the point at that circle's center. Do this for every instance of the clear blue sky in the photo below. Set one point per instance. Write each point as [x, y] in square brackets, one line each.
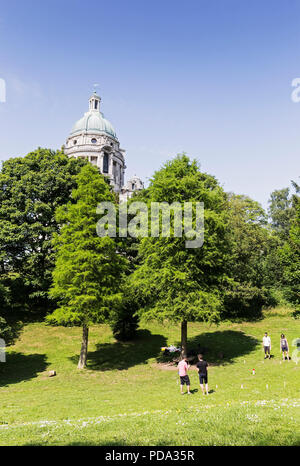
[208, 77]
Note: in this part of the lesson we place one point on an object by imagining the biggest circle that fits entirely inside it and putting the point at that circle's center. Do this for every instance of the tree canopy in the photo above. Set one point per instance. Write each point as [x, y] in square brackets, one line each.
[251, 242]
[31, 188]
[48, 240]
[290, 257]
[88, 269]
[173, 281]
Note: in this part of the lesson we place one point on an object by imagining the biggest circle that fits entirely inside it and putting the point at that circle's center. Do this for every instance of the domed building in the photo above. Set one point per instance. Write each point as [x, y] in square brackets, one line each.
[132, 185]
[94, 138]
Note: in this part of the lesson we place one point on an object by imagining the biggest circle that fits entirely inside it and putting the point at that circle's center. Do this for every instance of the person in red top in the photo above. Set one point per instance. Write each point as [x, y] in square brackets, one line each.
[183, 367]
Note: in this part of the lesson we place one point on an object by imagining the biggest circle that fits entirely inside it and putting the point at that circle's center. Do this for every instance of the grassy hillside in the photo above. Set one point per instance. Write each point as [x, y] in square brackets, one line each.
[125, 397]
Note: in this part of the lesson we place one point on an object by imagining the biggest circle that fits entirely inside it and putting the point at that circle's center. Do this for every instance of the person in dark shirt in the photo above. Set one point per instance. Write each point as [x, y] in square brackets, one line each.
[202, 371]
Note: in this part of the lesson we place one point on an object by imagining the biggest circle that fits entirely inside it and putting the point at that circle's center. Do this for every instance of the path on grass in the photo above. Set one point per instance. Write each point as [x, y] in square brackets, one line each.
[90, 421]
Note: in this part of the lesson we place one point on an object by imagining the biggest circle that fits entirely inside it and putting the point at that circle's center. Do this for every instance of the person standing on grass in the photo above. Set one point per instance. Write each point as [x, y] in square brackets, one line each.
[202, 371]
[284, 347]
[183, 367]
[267, 345]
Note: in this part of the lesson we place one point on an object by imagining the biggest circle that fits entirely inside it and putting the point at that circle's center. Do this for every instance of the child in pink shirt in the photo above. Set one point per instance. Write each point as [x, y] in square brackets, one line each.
[184, 378]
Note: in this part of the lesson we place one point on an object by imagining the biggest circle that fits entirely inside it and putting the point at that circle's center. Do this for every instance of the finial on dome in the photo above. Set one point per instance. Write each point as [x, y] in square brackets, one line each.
[95, 85]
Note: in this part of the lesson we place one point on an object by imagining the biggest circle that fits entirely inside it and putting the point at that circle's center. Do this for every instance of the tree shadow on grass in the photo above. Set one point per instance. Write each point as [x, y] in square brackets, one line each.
[122, 355]
[106, 443]
[20, 367]
[120, 443]
[222, 347]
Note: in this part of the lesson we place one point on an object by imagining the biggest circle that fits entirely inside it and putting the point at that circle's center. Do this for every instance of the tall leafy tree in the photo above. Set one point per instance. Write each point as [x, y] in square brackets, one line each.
[31, 188]
[290, 257]
[251, 242]
[174, 282]
[283, 222]
[88, 269]
[281, 211]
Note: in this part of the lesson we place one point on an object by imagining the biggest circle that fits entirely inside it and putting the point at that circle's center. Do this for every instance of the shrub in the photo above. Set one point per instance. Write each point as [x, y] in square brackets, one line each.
[244, 300]
[124, 321]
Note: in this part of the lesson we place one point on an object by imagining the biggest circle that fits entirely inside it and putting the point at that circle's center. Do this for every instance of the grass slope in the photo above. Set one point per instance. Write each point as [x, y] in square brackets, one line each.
[125, 398]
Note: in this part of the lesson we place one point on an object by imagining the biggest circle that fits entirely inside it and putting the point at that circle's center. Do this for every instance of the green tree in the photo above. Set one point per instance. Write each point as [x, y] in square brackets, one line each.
[124, 319]
[31, 188]
[88, 269]
[281, 211]
[172, 281]
[290, 257]
[251, 242]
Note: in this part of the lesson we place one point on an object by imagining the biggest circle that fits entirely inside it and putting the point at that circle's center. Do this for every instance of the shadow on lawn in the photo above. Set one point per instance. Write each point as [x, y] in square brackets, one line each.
[264, 440]
[20, 367]
[93, 443]
[223, 347]
[122, 355]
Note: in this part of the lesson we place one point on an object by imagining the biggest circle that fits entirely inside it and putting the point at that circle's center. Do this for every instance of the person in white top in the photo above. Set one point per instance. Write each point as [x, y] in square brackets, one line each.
[267, 345]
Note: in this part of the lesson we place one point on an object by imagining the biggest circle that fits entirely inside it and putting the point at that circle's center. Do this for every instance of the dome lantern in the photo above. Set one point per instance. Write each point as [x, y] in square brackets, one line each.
[95, 102]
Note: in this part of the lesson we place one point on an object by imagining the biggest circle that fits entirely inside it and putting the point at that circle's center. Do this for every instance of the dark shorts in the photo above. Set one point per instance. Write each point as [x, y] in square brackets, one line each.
[184, 380]
[267, 349]
[202, 378]
[284, 348]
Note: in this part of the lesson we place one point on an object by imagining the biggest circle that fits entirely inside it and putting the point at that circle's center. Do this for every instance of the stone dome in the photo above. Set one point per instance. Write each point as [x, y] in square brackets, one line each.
[94, 121]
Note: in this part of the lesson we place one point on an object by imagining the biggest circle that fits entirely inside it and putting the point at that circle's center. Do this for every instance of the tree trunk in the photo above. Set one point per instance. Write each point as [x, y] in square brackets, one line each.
[184, 339]
[84, 347]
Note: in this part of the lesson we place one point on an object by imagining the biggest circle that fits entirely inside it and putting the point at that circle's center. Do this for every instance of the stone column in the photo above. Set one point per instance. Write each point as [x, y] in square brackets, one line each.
[100, 161]
[110, 167]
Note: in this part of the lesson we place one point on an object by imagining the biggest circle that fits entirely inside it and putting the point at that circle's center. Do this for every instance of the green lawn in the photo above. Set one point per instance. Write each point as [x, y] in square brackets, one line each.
[125, 398]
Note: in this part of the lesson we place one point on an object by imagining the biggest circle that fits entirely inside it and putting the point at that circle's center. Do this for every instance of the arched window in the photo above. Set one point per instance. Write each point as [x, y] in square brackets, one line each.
[105, 162]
